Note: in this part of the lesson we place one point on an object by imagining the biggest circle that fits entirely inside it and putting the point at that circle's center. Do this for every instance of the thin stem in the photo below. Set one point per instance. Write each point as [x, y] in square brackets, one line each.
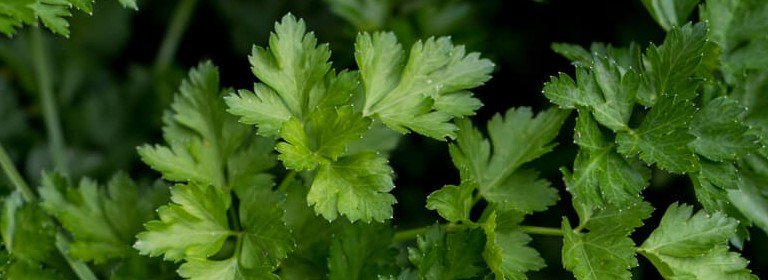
[410, 234]
[541, 230]
[13, 175]
[176, 28]
[79, 267]
[287, 181]
[50, 113]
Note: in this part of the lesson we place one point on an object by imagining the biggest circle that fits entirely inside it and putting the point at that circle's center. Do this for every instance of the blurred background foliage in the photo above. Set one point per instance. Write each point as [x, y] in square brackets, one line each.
[117, 72]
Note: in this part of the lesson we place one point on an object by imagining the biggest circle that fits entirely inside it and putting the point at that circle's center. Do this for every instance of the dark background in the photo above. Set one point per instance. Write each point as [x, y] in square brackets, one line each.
[116, 97]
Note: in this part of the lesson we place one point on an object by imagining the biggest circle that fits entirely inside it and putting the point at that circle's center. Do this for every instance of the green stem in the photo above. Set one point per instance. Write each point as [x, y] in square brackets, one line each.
[542, 230]
[287, 181]
[50, 113]
[79, 267]
[410, 234]
[13, 175]
[176, 28]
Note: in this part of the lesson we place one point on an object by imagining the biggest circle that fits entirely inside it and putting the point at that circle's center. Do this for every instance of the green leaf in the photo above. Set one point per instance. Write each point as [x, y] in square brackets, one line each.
[720, 130]
[452, 202]
[102, 221]
[606, 251]
[448, 255]
[195, 224]
[14, 14]
[750, 198]
[575, 53]
[229, 269]
[522, 191]
[737, 27]
[323, 139]
[600, 175]
[670, 13]
[424, 92]
[355, 186]
[604, 88]
[53, 13]
[296, 79]
[28, 234]
[362, 251]
[507, 253]
[694, 246]
[195, 227]
[663, 136]
[201, 136]
[131, 4]
[366, 15]
[517, 138]
[668, 69]
[30, 271]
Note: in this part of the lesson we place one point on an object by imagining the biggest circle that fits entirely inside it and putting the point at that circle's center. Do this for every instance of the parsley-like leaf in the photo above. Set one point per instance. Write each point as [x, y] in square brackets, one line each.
[195, 227]
[356, 186]
[103, 221]
[52, 13]
[28, 234]
[362, 251]
[423, 92]
[448, 255]
[603, 88]
[322, 140]
[670, 13]
[663, 136]
[506, 252]
[606, 251]
[720, 132]
[694, 245]
[296, 79]
[600, 175]
[204, 143]
[737, 27]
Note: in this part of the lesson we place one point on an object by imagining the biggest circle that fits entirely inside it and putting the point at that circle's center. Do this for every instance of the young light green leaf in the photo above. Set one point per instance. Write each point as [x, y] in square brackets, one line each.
[606, 251]
[600, 175]
[425, 93]
[670, 13]
[453, 203]
[507, 253]
[663, 136]
[441, 255]
[296, 79]
[355, 186]
[195, 227]
[195, 224]
[323, 139]
[362, 251]
[720, 130]
[604, 88]
[694, 245]
[102, 221]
